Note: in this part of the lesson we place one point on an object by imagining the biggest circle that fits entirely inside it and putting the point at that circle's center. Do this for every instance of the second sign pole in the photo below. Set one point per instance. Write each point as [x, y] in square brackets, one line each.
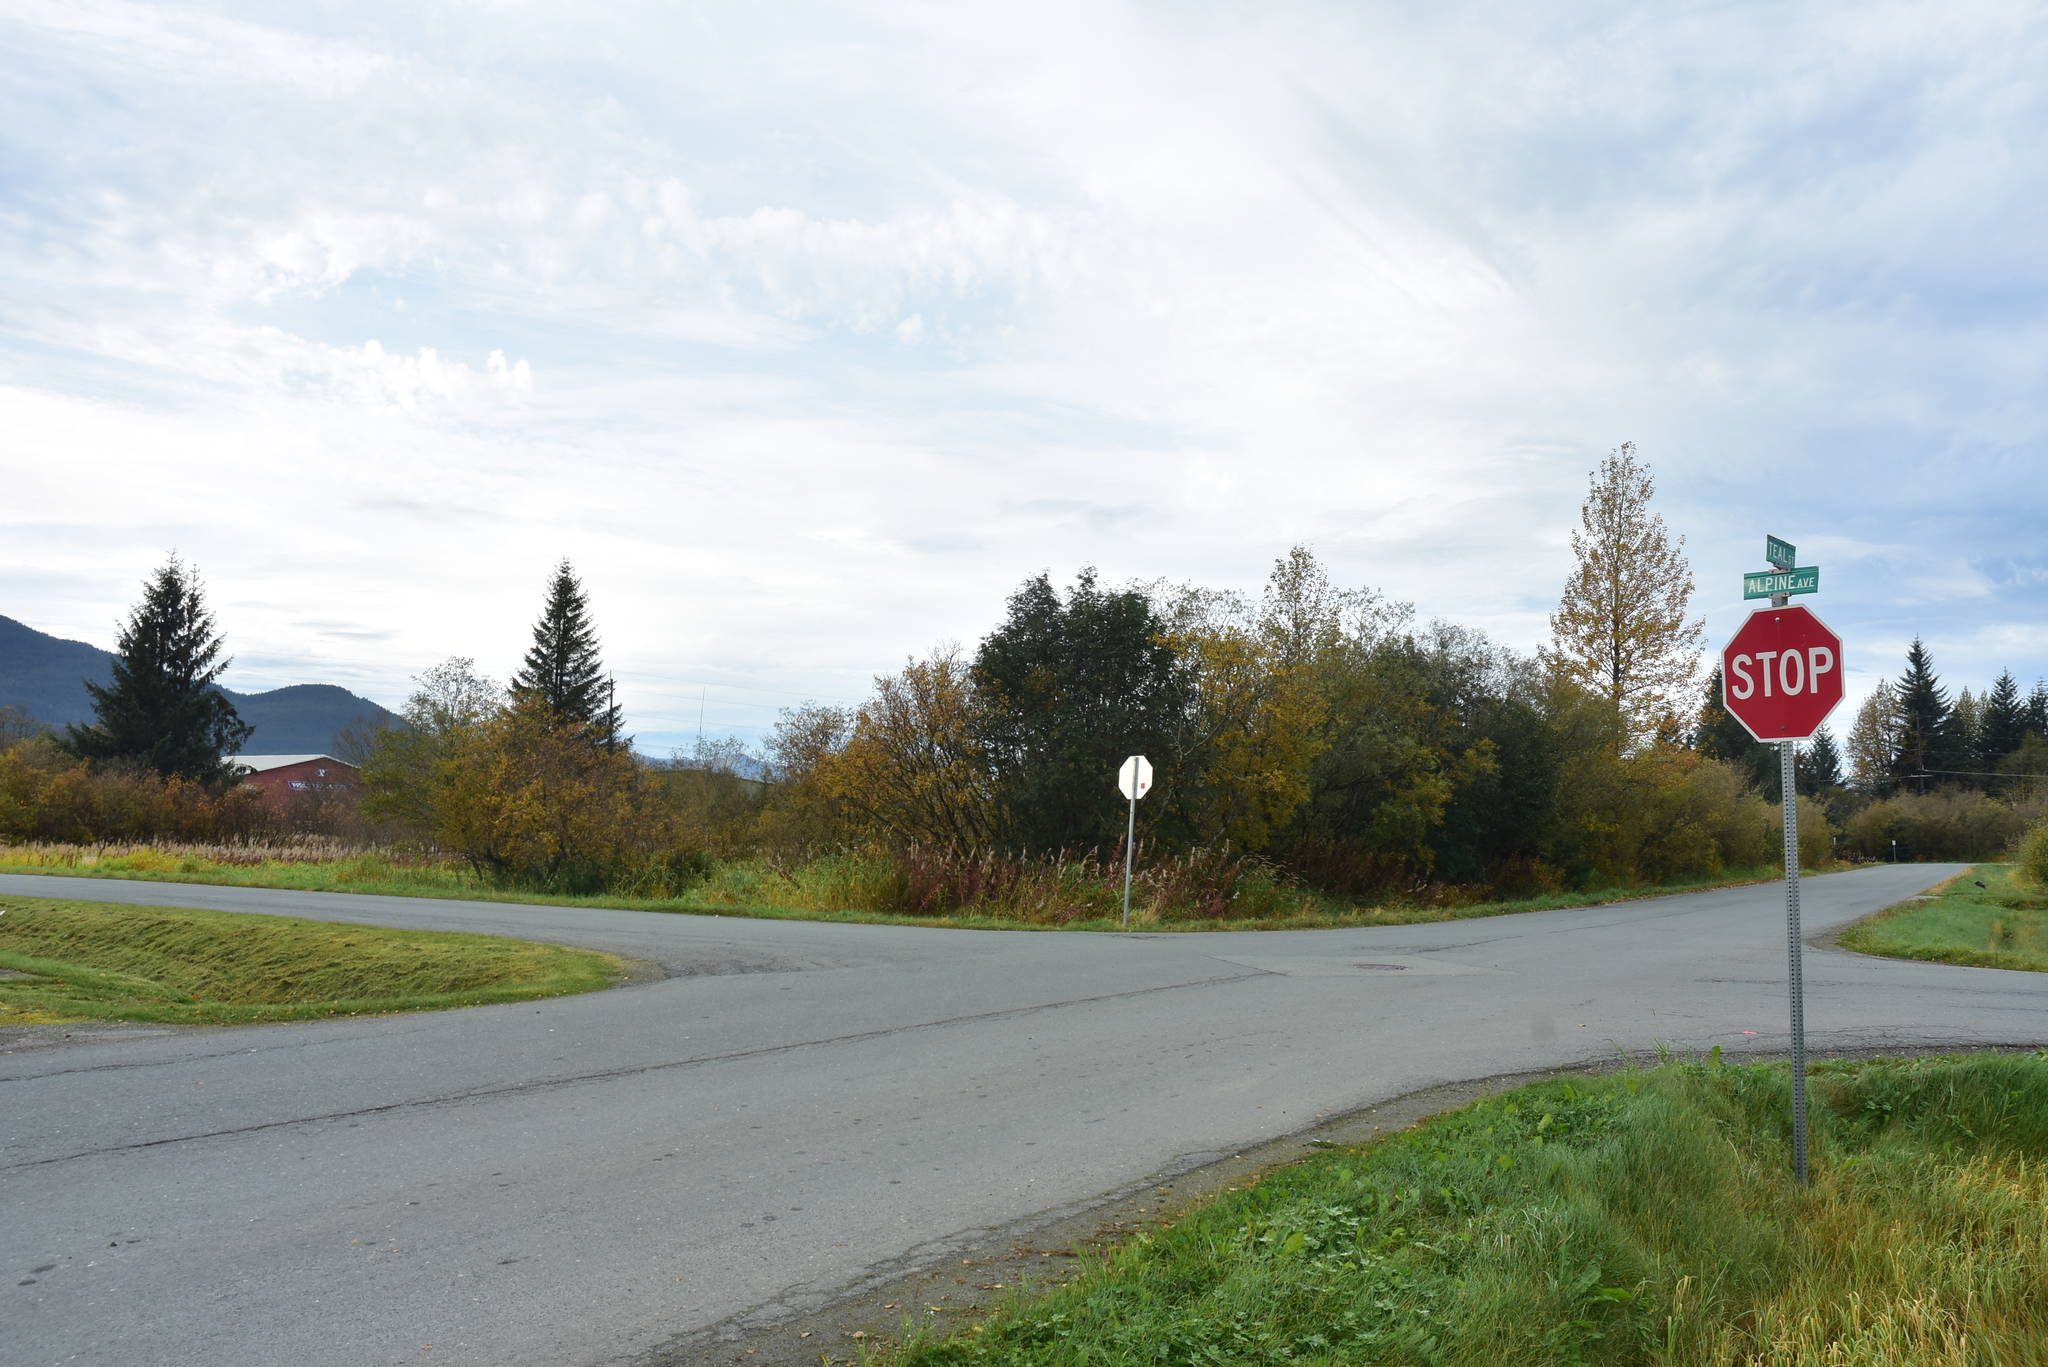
[1130, 852]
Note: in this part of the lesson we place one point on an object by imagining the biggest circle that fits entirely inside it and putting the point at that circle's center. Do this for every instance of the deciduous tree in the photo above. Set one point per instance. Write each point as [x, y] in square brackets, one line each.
[914, 769]
[1874, 741]
[1621, 630]
[161, 710]
[530, 800]
[410, 772]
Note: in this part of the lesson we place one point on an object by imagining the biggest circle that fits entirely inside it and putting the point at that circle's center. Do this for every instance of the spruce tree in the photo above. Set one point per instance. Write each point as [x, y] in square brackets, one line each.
[1965, 748]
[1926, 723]
[2001, 722]
[1820, 764]
[161, 710]
[562, 669]
[1720, 736]
[2037, 710]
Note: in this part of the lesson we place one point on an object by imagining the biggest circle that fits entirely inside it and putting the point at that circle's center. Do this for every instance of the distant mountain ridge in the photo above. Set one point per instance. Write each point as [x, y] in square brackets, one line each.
[45, 676]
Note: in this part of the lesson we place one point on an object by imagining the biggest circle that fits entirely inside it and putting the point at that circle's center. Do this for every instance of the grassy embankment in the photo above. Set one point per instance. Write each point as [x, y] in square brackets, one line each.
[1644, 1218]
[2000, 925]
[69, 961]
[835, 887]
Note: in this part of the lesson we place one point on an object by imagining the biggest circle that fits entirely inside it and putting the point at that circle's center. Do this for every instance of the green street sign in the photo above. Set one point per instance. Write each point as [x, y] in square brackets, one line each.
[1805, 579]
[1782, 554]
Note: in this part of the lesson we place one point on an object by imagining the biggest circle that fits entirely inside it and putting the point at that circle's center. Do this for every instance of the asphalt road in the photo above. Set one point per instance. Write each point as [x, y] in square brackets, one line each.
[801, 1108]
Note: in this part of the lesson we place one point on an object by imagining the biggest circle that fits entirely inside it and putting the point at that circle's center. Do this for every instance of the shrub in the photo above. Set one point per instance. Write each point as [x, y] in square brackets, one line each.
[1949, 825]
[2032, 856]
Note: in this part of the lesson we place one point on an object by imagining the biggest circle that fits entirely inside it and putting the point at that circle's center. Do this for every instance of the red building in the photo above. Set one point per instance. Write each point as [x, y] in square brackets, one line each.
[286, 780]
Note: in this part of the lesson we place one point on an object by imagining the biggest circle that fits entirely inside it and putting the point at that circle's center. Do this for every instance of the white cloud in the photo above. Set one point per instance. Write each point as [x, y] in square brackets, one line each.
[808, 337]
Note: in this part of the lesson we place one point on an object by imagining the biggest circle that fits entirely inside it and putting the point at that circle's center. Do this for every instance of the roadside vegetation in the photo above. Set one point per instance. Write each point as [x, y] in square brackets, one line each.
[906, 887]
[70, 961]
[1989, 918]
[1321, 756]
[1644, 1218]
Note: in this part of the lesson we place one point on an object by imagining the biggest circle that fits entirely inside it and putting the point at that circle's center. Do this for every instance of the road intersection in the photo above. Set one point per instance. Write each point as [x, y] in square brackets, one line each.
[795, 1109]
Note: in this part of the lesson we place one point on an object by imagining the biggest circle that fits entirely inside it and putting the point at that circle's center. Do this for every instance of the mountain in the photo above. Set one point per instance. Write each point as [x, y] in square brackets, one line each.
[45, 677]
[302, 719]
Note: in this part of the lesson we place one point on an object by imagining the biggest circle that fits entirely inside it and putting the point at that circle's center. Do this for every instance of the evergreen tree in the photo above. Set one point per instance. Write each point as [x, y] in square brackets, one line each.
[562, 670]
[1965, 746]
[1926, 723]
[2037, 710]
[1720, 736]
[161, 709]
[1072, 686]
[1820, 764]
[2001, 723]
[1620, 631]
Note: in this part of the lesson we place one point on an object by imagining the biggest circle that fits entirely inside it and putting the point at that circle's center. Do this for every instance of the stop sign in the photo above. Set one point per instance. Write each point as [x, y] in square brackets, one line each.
[1781, 673]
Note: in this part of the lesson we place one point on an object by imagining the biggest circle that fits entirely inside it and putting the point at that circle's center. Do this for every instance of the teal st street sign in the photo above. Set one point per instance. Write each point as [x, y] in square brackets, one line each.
[1781, 555]
[1805, 579]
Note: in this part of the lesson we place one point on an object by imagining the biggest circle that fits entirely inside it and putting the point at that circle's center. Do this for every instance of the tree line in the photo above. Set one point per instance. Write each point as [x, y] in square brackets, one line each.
[1317, 733]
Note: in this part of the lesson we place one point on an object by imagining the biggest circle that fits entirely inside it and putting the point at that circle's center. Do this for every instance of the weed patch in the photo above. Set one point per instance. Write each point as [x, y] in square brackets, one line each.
[1644, 1218]
[1198, 890]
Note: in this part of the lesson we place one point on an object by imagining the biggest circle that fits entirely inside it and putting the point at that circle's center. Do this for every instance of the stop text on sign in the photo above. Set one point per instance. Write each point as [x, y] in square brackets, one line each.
[1781, 673]
[1787, 672]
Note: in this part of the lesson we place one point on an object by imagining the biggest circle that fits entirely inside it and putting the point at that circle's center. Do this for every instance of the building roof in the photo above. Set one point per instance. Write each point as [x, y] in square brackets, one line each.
[257, 764]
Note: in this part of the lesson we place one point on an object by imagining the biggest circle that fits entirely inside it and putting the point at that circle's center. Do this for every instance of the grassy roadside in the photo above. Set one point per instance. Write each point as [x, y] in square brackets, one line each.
[1999, 925]
[823, 891]
[68, 961]
[1648, 1217]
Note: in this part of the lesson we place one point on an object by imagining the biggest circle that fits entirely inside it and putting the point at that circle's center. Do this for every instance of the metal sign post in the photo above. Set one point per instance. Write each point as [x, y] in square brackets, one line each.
[1788, 772]
[1133, 780]
[1781, 674]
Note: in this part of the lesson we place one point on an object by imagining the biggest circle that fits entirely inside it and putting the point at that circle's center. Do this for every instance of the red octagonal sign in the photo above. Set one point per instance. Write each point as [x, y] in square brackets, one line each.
[1781, 673]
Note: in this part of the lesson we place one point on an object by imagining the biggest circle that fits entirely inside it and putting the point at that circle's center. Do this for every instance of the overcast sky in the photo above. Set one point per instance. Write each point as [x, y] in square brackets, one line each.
[808, 332]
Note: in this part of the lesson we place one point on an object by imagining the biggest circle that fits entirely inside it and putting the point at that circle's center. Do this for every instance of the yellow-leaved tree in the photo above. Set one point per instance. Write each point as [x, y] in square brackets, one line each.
[912, 770]
[531, 799]
[1621, 632]
[1255, 725]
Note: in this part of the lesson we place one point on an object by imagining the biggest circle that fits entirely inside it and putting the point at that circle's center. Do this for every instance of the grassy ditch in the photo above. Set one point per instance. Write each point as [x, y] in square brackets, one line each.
[68, 961]
[1999, 925]
[1644, 1218]
[1178, 894]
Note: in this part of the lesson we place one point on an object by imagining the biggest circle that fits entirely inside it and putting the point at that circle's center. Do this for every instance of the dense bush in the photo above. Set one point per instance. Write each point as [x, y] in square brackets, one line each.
[1947, 825]
[45, 794]
[2032, 855]
[1210, 884]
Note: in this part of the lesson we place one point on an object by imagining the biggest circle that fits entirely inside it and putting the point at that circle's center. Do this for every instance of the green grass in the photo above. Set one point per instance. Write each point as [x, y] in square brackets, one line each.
[1644, 1218]
[833, 888]
[2000, 925]
[69, 961]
